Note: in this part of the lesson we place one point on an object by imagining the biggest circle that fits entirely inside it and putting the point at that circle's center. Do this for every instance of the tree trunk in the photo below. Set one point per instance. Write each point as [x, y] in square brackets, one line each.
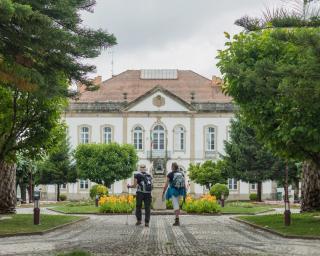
[30, 188]
[259, 192]
[23, 188]
[310, 194]
[7, 188]
[58, 192]
[296, 191]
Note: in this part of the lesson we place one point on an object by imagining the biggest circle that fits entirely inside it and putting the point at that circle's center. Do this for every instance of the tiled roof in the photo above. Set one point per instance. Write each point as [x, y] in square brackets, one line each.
[130, 83]
[120, 106]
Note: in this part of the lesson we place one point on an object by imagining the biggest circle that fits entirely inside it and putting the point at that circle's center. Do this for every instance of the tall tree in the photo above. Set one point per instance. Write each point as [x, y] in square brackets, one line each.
[273, 75]
[106, 163]
[249, 160]
[42, 48]
[25, 172]
[207, 173]
[57, 167]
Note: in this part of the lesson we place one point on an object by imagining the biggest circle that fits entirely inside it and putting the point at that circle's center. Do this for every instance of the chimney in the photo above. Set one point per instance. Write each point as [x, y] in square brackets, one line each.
[125, 96]
[97, 80]
[192, 96]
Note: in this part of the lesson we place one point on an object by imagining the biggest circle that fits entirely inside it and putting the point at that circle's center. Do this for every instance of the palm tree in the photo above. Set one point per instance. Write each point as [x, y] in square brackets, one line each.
[296, 13]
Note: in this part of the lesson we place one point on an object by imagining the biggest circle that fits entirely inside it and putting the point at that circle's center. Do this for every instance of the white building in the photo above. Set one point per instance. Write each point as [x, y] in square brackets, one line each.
[168, 115]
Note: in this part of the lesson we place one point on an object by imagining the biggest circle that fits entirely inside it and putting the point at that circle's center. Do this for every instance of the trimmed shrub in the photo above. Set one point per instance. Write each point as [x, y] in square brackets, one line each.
[253, 197]
[63, 197]
[98, 189]
[217, 190]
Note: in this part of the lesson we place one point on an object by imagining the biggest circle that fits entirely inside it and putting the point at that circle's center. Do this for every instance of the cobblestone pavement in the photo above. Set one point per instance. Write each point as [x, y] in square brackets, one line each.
[197, 235]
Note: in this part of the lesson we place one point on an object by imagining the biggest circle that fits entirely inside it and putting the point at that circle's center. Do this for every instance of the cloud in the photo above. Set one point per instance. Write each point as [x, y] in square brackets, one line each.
[183, 34]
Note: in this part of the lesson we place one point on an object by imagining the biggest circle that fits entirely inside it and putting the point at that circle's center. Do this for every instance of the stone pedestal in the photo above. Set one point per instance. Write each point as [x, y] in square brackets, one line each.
[158, 184]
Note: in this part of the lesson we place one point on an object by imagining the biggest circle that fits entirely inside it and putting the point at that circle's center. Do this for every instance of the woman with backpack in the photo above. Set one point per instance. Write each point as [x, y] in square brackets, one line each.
[175, 188]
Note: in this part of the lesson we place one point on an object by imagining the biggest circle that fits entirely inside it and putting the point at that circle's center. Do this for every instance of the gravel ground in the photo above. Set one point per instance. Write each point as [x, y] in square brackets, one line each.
[197, 235]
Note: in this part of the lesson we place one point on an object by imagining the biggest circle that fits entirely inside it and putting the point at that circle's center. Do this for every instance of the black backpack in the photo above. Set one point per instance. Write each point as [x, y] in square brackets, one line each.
[146, 183]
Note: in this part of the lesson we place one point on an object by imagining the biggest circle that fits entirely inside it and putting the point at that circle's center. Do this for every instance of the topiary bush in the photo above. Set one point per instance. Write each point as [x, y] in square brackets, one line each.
[217, 190]
[98, 189]
[253, 197]
[63, 197]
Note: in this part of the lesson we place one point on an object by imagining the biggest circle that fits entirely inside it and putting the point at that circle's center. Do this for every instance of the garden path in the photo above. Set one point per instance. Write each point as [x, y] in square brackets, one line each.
[198, 235]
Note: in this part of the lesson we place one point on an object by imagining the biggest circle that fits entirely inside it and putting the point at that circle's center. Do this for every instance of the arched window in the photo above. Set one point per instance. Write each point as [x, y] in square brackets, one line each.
[138, 138]
[210, 138]
[107, 134]
[158, 137]
[84, 135]
[179, 138]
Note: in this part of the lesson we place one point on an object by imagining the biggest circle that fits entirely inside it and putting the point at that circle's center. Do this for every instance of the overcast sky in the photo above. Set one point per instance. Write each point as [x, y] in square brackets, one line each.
[177, 34]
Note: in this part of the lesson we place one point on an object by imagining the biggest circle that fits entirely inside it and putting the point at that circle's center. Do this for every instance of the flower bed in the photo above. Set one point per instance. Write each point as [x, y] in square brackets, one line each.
[205, 204]
[116, 204]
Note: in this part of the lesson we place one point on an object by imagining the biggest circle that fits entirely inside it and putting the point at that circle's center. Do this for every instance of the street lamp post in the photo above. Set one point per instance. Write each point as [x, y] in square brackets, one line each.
[222, 199]
[97, 200]
[36, 210]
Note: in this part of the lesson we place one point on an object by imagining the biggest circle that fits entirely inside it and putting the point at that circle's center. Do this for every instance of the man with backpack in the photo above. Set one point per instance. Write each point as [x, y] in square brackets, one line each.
[175, 188]
[143, 183]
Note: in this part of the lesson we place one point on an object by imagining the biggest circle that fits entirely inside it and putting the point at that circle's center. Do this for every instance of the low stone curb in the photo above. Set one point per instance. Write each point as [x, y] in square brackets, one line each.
[276, 232]
[152, 213]
[45, 231]
[160, 213]
[250, 213]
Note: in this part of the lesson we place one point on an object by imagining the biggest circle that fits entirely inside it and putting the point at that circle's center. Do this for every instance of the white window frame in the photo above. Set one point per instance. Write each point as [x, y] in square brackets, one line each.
[228, 133]
[253, 186]
[210, 138]
[179, 138]
[84, 136]
[107, 135]
[63, 186]
[84, 184]
[138, 138]
[233, 184]
[159, 136]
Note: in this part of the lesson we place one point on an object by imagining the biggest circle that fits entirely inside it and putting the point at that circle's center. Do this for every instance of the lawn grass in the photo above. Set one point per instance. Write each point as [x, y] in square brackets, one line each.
[77, 209]
[75, 253]
[244, 208]
[303, 224]
[23, 223]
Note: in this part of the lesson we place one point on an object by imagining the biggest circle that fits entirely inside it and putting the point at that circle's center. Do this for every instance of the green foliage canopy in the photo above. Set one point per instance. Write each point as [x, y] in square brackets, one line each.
[43, 41]
[274, 76]
[57, 167]
[208, 173]
[247, 159]
[42, 50]
[106, 163]
[218, 189]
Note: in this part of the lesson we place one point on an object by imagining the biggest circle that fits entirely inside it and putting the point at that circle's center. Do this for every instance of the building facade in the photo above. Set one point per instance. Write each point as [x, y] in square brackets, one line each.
[168, 115]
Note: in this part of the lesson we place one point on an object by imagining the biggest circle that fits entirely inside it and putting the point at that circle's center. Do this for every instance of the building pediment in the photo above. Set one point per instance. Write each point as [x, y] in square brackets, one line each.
[159, 99]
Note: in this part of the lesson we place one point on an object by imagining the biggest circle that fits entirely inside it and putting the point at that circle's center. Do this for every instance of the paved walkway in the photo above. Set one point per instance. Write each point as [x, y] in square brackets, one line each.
[198, 235]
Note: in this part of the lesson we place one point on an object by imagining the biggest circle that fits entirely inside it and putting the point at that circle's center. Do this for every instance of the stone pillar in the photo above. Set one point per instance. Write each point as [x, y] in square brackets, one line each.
[192, 149]
[158, 184]
[124, 141]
